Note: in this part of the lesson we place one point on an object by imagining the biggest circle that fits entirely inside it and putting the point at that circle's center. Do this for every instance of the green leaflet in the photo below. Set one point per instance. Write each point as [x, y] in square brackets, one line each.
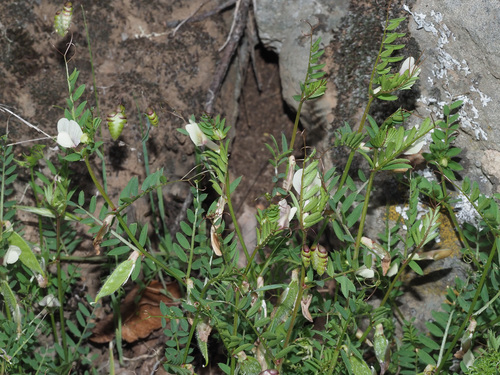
[119, 276]
[27, 256]
[10, 299]
[359, 366]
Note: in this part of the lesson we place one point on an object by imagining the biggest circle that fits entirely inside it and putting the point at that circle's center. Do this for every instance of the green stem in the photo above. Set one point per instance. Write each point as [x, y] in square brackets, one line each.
[193, 235]
[296, 126]
[340, 341]
[94, 83]
[295, 311]
[351, 154]
[363, 216]
[125, 226]
[235, 329]
[465, 321]
[60, 289]
[233, 217]
[388, 293]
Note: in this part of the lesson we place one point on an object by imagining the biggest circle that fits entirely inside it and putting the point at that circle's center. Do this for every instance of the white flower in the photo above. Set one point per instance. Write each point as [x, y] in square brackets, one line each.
[297, 185]
[12, 255]
[297, 181]
[50, 301]
[286, 214]
[198, 137]
[365, 273]
[416, 147]
[409, 65]
[69, 133]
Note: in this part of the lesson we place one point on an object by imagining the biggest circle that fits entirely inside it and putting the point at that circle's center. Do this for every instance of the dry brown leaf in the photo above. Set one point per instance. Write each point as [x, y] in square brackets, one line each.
[304, 304]
[141, 318]
[386, 264]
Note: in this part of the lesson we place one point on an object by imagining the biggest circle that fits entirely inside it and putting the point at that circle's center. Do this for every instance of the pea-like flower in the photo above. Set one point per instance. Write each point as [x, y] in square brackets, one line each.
[297, 181]
[69, 133]
[416, 147]
[50, 301]
[12, 255]
[410, 67]
[286, 214]
[198, 137]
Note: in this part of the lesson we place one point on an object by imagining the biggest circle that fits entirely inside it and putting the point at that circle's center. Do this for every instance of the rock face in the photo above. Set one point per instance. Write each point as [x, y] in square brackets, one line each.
[282, 28]
[462, 61]
[459, 52]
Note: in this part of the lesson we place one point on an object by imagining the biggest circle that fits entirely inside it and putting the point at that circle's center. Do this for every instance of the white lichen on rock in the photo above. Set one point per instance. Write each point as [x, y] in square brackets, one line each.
[445, 68]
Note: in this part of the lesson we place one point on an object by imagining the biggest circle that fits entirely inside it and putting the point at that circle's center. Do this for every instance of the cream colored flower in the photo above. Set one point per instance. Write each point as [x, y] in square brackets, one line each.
[198, 137]
[69, 133]
[409, 65]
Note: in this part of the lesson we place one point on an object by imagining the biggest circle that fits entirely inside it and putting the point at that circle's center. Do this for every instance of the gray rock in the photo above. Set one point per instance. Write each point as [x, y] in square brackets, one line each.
[281, 28]
[461, 60]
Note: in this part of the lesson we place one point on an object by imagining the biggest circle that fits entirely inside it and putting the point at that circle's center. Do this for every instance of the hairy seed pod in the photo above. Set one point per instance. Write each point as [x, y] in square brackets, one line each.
[319, 259]
[306, 256]
[116, 121]
[152, 116]
[62, 19]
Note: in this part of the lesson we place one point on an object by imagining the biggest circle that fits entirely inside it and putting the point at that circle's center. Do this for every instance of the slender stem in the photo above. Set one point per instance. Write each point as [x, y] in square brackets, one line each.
[295, 310]
[125, 226]
[296, 126]
[233, 217]
[60, 289]
[465, 321]
[336, 353]
[193, 235]
[388, 293]
[235, 328]
[94, 83]
[441, 351]
[351, 154]
[363, 216]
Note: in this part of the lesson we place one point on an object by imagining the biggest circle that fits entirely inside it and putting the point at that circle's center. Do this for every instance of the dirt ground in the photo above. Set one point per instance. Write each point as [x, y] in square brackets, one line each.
[138, 61]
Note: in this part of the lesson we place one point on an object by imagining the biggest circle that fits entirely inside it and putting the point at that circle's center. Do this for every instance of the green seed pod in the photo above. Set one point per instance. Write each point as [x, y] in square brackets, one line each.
[306, 256]
[152, 116]
[319, 259]
[116, 121]
[62, 19]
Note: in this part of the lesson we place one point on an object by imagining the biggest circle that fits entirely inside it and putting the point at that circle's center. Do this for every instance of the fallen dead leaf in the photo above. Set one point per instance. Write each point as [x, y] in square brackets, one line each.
[140, 318]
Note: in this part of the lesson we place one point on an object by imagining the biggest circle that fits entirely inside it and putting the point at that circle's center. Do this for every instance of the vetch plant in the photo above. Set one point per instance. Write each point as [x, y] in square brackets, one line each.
[295, 302]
